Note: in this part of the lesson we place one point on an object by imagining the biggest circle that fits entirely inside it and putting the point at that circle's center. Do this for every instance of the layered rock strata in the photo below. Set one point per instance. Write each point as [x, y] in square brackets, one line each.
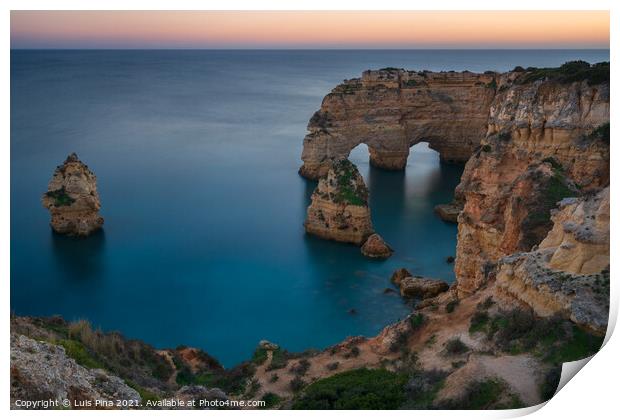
[545, 142]
[568, 274]
[390, 110]
[339, 209]
[72, 199]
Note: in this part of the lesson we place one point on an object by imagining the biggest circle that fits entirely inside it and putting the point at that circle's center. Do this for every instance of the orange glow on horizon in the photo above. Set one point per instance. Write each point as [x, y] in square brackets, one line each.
[311, 29]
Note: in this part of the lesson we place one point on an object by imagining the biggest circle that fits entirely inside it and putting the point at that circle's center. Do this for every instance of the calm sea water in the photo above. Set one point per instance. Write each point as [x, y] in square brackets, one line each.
[197, 153]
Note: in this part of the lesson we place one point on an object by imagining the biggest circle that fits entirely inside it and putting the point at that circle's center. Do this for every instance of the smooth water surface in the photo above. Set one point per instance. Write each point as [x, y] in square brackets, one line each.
[196, 154]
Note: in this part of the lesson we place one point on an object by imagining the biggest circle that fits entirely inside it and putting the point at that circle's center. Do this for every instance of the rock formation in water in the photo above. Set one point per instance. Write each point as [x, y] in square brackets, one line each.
[390, 110]
[339, 210]
[421, 287]
[530, 137]
[449, 212]
[72, 199]
[375, 247]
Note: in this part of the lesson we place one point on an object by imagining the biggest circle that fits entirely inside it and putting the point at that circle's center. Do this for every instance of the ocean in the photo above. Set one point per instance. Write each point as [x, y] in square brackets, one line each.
[196, 154]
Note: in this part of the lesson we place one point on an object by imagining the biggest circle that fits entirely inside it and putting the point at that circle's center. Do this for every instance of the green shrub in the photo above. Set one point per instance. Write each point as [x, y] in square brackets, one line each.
[572, 71]
[369, 389]
[61, 198]
[478, 321]
[260, 356]
[145, 394]
[455, 346]
[487, 148]
[486, 304]
[480, 395]
[417, 321]
[451, 306]
[79, 353]
[297, 384]
[301, 367]
[271, 400]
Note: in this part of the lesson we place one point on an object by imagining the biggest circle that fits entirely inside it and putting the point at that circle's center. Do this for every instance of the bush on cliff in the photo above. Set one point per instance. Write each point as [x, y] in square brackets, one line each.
[553, 340]
[572, 71]
[369, 389]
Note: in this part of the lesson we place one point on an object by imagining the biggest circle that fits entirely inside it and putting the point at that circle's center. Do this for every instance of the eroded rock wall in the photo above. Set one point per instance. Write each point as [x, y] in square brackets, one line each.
[390, 110]
[568, 275]
[542, 145]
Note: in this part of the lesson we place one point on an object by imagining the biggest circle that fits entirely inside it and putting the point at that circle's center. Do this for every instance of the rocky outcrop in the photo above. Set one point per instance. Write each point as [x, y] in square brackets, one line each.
[399, 275]
[375, 247]
[568, 275]
[339, 209]
[72, 199]
[421, 287]
[43, 372]
[390, 110]
[449, 212]
[545, 142]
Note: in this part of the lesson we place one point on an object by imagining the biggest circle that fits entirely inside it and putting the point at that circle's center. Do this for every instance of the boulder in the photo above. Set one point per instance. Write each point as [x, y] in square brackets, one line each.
[400, 274]
[375, 247]
[449, 212]
[422, 287]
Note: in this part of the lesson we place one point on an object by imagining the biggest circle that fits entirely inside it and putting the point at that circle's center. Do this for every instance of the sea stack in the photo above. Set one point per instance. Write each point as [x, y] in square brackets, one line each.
[339, 210]
[72, 199]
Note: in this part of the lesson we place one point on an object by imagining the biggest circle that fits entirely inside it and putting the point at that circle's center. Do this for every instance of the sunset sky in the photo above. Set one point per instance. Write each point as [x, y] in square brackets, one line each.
[317, 29]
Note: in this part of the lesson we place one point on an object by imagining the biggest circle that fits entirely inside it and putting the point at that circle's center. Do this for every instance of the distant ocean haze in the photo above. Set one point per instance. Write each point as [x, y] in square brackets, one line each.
[196, 155]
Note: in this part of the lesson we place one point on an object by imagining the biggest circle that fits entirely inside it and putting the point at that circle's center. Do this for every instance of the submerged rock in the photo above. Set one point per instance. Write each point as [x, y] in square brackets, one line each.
[422, 287]
[449, 212]
[339, 210]
[375, 247]
[72, 199]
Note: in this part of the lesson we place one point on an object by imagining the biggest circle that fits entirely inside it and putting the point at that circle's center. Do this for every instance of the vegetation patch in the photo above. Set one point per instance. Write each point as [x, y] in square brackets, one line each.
[348, 190]
[61, 198]
[361, 389]
[552, 340]
[478, 321]
[271, 400]
[455, 346]
[451, 306]
[79, 353]
[483, 395]
[569, 72]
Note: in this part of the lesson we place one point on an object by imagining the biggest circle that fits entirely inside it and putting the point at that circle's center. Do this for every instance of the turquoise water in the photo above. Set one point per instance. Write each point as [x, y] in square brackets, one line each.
[196, 153]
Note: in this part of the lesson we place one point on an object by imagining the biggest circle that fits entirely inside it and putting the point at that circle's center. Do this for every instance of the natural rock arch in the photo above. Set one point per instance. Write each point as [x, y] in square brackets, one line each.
[391, 110]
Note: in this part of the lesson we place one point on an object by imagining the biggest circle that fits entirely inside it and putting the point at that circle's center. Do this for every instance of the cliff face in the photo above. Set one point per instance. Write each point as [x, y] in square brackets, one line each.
[339, 209]
[43, 371]
[545, 141]
[72, 199]
[568, 274]
[390, 110]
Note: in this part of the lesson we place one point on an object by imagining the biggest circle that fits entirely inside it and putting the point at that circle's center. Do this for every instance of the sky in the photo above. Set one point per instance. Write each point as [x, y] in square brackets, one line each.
[311, 29]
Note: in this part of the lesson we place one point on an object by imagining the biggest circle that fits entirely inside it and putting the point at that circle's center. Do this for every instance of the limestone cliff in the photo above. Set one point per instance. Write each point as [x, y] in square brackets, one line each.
[339, 210]
[546, 141]
[568, 275]
[41, 371]
[72, 199]
[390, 110]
